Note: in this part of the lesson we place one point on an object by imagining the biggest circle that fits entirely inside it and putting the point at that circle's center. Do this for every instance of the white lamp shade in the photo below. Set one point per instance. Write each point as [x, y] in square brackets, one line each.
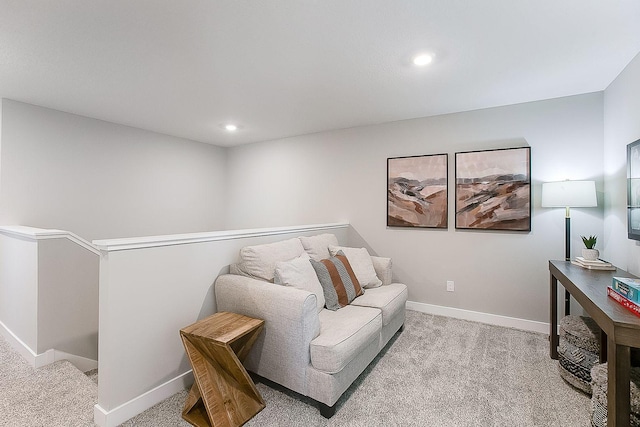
[573, 194]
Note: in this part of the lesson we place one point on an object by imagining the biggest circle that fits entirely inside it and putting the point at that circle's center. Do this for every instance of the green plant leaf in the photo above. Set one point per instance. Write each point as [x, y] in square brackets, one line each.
[589, 242]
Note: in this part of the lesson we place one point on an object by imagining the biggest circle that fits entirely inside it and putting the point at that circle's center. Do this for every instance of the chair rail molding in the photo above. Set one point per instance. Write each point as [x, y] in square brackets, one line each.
[34, 233]
[111, 245]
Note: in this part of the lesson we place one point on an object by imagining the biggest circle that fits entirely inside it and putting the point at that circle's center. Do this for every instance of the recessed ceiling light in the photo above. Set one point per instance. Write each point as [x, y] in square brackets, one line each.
[422, 59]
[231, 127]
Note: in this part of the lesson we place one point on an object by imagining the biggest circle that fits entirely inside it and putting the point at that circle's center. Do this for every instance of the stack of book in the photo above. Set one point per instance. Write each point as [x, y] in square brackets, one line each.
[597, 264]
[626, 291]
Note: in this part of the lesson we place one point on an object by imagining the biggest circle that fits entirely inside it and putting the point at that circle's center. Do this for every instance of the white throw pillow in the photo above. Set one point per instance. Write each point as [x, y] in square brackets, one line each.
[361, 264]
[299, 273]
[318, 246]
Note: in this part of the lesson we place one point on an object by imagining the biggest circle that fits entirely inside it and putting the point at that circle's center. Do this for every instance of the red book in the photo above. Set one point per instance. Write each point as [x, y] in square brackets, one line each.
[629, 305]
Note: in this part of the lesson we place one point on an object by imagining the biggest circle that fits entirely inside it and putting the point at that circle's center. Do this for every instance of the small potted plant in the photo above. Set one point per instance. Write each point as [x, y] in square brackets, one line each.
[590, 253]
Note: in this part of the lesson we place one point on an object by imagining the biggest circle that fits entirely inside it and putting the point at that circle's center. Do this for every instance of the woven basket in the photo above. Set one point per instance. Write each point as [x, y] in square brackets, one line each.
[599, 396]
[578, 350]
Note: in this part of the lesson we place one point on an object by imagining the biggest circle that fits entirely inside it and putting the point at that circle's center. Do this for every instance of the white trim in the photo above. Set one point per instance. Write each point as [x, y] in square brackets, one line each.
[139, 404]
[57, 234]
[33, 233]
[44, 359]
[84, 364]
[21, 231]
[39, 360]
[111, 245]
[18, 345]
[476, 316]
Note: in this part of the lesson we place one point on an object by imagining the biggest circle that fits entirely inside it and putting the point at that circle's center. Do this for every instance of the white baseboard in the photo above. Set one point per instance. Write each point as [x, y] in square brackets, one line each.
[476, 316]
[43, 359]
[84, 364]
[38, 360]
[18, 345]
[139, 404]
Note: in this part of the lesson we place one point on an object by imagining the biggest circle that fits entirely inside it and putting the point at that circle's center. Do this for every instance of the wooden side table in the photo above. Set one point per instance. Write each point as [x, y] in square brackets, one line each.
[223, 394]
[620, 329]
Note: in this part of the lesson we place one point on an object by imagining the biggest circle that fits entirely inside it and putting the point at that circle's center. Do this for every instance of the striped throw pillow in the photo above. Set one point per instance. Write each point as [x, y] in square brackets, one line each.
[339, 283]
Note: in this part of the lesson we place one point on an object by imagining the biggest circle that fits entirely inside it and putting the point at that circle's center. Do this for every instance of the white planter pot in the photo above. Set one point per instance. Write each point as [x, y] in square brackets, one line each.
[590, 254]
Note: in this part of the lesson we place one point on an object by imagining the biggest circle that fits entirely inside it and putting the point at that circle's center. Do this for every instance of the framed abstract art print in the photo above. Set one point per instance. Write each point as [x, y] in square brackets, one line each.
[493, 189]
[417, 191]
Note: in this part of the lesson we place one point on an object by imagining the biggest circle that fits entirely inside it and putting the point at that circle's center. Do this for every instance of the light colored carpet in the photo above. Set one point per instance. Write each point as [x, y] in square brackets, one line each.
[56, 395]
[438, 372]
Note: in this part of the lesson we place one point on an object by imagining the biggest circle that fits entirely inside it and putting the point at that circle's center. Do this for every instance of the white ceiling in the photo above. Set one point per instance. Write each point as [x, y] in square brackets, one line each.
[280, 68]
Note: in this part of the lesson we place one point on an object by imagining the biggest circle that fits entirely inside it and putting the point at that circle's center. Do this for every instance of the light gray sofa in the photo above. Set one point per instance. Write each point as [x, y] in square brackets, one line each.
[304, 347]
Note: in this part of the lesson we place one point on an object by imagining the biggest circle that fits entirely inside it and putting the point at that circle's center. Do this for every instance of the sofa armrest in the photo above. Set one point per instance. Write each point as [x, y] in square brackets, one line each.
[281, 353]
[382, 266]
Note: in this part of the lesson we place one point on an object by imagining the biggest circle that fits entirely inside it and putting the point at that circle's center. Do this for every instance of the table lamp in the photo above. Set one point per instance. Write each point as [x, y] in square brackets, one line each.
[568, 194]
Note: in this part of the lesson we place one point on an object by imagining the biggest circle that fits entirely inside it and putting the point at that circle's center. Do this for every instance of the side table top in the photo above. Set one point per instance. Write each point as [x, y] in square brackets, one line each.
[223, 327]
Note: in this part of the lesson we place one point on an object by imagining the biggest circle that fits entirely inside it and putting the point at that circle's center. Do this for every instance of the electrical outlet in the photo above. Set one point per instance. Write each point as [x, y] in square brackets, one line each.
[450, 286]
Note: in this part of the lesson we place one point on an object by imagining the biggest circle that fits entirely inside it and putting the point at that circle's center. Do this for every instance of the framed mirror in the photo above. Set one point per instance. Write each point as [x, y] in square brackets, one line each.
[633, 190]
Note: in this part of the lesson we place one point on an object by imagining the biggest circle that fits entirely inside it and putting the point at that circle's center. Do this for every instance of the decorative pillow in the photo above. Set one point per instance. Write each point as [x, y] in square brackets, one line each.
[339, 282]
[361, 263]
[318, 246]
[300, 274]
[260, 261]
[382, 266]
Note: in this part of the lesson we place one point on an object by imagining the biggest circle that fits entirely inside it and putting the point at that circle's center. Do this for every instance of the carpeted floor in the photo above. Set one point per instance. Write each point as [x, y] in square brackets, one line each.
[55, 395]
[438, 372]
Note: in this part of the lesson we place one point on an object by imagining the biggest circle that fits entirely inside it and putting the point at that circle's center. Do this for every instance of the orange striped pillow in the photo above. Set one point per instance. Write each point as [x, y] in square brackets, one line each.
[339, 283]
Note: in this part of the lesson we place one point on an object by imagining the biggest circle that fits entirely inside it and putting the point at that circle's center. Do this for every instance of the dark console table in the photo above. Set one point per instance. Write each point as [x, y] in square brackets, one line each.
[620, 329]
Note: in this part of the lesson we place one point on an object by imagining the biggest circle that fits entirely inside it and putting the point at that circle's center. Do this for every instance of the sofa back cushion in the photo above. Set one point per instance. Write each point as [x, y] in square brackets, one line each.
[318, 246]
[300, 274]
[339, 283]
[259, 261]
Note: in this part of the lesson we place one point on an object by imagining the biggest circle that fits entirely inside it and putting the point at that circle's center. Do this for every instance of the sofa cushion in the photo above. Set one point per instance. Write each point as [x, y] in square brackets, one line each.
[259, 261]
[361, 263]
[382, 266]
[339, 283]
[300, 274]
[343, 335]
[390, 299]
[318, 246]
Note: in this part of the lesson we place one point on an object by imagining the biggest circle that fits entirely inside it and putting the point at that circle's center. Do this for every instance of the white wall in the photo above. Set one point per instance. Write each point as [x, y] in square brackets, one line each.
[1, 102]
[19, 289]
[341, 175]
[49, 295]
[67, 298]
[103, 180]
[149, 290]
[621, 127]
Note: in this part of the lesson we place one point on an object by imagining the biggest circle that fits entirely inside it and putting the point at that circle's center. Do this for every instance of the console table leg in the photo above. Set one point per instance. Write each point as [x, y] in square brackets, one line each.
[553, 332]
[618, 389]
[603, 346]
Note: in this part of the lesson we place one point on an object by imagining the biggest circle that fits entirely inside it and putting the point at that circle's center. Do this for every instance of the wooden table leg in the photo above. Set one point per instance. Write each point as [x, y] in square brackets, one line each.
[553, 333]
[223, 394]
[603, 346]
[618, 389]
[194, 409]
